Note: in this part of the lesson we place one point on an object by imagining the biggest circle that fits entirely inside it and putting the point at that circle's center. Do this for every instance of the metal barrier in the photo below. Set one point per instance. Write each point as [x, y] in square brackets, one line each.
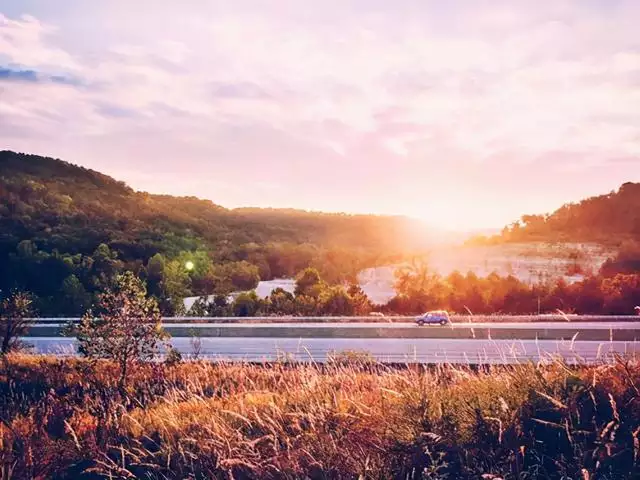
[378, 319]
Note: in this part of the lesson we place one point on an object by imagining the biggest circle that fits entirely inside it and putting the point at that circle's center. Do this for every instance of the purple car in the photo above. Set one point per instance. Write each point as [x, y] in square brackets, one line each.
[435, 317]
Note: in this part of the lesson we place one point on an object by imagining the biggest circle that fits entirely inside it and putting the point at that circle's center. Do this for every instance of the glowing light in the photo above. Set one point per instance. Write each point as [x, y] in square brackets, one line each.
[189, 265]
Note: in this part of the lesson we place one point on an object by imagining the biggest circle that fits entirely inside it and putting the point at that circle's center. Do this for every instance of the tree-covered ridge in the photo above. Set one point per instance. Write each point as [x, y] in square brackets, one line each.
[53, 203]
[610, 218]
[65, 231]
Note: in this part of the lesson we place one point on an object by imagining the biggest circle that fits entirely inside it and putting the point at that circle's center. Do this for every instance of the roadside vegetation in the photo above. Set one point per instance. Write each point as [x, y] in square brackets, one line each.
[418, 289]
[351, 418]
[15, 319]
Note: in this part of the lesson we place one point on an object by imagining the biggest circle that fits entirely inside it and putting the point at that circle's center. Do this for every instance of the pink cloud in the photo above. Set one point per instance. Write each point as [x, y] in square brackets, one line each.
[335, 103]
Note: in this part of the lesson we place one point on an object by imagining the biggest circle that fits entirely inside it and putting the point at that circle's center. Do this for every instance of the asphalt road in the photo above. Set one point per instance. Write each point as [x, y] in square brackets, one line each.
[460, 351]
[522, 326]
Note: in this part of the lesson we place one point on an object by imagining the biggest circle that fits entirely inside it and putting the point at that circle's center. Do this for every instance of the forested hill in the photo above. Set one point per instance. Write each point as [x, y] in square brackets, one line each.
[610, 218]
[57, 219]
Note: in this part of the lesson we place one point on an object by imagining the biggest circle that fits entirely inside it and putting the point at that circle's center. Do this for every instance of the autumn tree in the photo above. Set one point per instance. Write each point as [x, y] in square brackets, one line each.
[621, 293]
[15, 313]
[419, 289]
[125, 327]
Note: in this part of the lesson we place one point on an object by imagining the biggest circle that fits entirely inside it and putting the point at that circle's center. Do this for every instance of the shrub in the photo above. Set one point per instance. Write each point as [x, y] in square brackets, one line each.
[126, 327]
[15, 311]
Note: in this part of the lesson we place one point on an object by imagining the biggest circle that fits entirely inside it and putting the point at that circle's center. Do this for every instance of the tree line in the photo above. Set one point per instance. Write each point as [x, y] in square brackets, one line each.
[612, 218]
[420, 290]
[614, 290]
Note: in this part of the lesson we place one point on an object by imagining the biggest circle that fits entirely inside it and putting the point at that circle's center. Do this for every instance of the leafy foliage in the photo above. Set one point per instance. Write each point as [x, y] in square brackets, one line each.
[125, 327]
[610, 218]
[312, 297]
[67, 231]
[420, 290]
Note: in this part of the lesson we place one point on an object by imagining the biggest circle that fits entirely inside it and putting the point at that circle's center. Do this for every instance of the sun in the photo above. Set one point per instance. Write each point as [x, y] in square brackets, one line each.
[456, 215]
[189, 265]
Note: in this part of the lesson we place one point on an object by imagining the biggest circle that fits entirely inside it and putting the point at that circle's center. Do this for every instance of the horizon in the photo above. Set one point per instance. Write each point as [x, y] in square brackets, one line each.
[464, 116]
[482, 230]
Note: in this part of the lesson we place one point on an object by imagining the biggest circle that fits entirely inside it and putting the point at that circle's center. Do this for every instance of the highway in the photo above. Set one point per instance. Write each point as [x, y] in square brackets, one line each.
[584, 331]
[313, 339]
[384, 350]
[604, 325]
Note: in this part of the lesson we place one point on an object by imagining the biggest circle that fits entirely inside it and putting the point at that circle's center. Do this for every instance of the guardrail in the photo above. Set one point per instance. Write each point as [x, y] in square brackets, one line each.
[378, 319]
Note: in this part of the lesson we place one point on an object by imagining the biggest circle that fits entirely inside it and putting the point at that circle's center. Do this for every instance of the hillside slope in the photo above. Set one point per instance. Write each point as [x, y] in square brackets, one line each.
[58, 219]
[73, 209]
[611, 219]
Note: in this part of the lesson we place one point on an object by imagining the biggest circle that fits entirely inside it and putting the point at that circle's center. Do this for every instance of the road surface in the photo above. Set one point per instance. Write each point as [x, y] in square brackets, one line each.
[578, 325]
[458, 351]
[315, 339]
[586, 331]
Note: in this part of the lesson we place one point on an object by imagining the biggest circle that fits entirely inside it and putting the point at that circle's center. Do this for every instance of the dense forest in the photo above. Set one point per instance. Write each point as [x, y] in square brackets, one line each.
[613, 218]
[65, 231]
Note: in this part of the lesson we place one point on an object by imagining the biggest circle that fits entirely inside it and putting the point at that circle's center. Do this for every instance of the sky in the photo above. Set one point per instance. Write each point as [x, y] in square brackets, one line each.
[465, 113]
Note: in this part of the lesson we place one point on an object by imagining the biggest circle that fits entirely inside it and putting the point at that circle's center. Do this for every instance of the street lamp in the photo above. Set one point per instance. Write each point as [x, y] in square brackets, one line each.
[189, 265]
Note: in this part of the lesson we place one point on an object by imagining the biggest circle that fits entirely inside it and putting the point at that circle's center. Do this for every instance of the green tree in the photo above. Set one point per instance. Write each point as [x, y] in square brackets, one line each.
[306, 306]
[335, 301]
[205, 281]
[26, 249]
[247, 304]
[309, 283]
[220, 306]
[125, 327]
[360, 301]
[176, 286]
[104, 266]
[155, 275]
[240, 275]
[74, 298]
[200, 308]
[281, 302]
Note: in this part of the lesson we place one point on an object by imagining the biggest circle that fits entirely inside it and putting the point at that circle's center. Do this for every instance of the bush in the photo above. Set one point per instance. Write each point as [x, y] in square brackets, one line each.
[126, 328]
[15, 311]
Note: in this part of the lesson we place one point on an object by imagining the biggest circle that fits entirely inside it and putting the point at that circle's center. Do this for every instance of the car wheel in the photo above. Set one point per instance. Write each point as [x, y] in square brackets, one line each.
[420, 323]
[443, 322]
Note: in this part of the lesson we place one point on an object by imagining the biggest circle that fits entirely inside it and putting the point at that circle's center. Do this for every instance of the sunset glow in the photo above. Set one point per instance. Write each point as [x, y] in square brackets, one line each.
[464, 114]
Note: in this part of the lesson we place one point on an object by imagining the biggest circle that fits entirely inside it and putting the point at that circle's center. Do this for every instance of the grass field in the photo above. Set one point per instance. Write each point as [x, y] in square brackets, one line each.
[67, 419]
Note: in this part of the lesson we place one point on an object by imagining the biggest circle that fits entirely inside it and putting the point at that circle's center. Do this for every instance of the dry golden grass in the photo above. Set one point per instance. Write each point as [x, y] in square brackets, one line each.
[67, 419]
